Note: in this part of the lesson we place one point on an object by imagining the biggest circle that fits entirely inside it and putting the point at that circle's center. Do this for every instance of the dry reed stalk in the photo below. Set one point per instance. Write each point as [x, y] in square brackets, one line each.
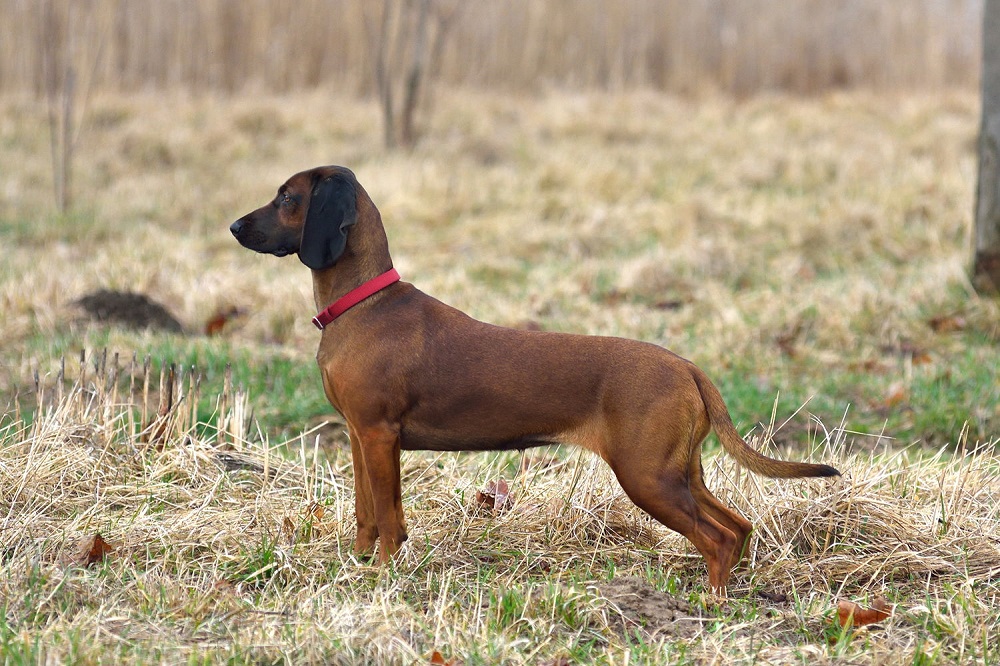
[738, 47]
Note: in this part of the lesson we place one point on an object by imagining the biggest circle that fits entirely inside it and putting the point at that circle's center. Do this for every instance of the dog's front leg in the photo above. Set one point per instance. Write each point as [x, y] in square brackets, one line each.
[364, 509]
[380, 450]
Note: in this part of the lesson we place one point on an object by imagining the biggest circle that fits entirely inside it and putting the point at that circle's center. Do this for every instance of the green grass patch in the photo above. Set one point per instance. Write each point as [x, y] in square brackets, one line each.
[287, 390]
[947, 395]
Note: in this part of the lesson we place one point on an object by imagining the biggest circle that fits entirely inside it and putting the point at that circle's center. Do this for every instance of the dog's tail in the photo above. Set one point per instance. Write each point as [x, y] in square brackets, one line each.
[735, 446]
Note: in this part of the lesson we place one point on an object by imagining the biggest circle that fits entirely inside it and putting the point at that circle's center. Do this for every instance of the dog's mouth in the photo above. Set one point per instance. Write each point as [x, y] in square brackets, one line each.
[277, 252]
[250, 237]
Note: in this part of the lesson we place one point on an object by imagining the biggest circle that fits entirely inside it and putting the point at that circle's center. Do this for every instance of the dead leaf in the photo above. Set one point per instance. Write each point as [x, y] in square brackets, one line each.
[224, 586]
[669, 304]
[895, 396]
[496, 496]
[316, 511]
[852, 614]
[225, 597]
[787, 339]
[288, 529]
[918, 355]
[871, 366]
[438, 658]
[92, 550]
[787, 346]
[559, 661]
[773, 597]
[946, 323]
[220, 319]
[612, 297]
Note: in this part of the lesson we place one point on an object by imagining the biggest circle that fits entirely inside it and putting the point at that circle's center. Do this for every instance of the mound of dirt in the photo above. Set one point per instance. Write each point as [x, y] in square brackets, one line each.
[657, 613]
[128, 309]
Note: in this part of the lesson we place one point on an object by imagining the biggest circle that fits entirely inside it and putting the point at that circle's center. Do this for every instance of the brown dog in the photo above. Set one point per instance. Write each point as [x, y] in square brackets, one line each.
[409, 372]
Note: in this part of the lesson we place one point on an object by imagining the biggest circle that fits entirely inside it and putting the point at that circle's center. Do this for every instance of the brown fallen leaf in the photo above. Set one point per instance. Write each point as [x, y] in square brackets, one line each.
[288, 529]
[496, 496]
[224, 586]
[438, 658]
[895, 396]
[871, 365]
[786, 340]
[613, 297]
[218, 321]
[946, 323]
[773, 597]
[92, 550]
[917, 355]
[315, 511]
[852, 614]
[224, 597]
[559, 661]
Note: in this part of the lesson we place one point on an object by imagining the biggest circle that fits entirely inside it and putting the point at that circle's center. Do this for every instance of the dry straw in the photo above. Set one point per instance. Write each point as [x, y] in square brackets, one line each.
[222, 547]
[738, 46]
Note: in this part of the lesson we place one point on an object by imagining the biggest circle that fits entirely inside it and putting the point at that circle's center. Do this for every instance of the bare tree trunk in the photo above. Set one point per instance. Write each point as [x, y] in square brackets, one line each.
[404, 58]
[383, 78]
[986, 267]
[66, 163]
[411, 94]
[61, 50]
[60, 79]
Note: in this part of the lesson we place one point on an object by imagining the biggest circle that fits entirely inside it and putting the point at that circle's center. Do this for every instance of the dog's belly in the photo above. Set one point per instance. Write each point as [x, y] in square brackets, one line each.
[428, 439]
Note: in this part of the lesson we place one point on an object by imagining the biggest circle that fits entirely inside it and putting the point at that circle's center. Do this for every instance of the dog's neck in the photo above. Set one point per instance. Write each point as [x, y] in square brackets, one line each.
[332, 283]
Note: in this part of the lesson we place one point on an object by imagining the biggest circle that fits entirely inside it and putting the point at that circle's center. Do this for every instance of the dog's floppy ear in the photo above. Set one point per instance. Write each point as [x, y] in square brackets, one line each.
[332, 210]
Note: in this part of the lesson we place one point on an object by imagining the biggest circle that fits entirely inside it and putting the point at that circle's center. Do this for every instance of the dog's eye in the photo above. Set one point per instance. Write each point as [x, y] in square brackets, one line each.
[285, 199]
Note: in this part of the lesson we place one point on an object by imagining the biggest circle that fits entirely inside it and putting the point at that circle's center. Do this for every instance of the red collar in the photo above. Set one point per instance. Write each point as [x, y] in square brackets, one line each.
[355, 296]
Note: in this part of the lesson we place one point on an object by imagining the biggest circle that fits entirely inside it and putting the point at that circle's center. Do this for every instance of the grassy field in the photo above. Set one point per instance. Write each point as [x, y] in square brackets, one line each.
[810, 255]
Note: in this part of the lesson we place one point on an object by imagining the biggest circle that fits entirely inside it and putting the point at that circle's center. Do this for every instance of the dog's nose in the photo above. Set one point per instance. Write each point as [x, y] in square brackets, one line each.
[235, 227]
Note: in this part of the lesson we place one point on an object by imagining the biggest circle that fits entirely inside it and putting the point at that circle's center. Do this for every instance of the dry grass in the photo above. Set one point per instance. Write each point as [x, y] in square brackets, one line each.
[213, 562]
[738, 46]
[792, 247]
[786, 240]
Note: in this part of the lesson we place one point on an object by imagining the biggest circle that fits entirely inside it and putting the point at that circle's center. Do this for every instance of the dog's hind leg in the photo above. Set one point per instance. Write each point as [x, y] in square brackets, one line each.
[711, 505]
[667, 497]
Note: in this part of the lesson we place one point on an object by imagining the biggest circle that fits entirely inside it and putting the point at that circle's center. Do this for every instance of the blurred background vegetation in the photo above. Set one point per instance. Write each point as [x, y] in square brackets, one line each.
[734, 46]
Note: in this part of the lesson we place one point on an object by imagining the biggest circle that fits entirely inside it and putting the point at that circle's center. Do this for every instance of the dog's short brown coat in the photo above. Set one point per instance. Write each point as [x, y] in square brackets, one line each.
[409, 372]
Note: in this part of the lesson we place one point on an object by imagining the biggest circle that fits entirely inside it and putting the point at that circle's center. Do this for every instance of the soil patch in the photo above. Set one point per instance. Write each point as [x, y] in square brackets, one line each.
[128, 309]
[657, 613]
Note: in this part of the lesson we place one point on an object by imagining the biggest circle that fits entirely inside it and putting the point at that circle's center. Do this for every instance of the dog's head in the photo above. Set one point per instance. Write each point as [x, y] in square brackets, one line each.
[310, 215]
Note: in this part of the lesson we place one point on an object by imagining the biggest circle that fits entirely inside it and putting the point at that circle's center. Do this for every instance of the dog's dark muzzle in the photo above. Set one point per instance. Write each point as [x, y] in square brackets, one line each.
[258, 237]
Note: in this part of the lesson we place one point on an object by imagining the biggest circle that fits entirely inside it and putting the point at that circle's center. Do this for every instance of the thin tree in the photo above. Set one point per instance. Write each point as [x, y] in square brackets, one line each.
[405, 41]
[986, 265]
[62, 50]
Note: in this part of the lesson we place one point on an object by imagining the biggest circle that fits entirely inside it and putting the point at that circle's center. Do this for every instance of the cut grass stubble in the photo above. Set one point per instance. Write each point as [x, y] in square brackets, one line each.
[252, 560]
